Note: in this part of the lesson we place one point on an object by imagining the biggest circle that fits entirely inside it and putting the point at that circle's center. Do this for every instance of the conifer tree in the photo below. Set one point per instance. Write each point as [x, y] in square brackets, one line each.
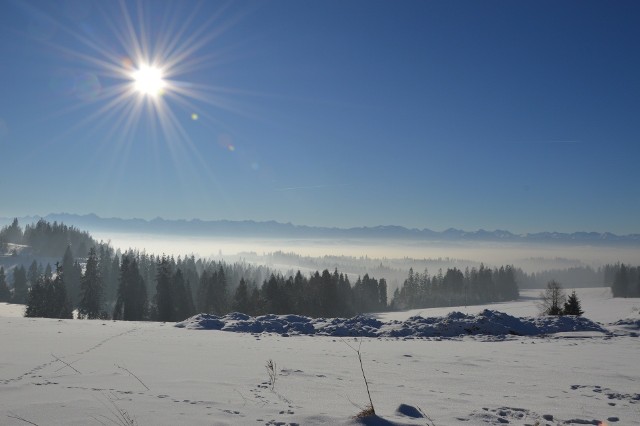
[20, 291]
[382, 290]
[241, 298]
[5, 294]
[190, 303]
[33, 273]
[60, 306]
[183, 303]
[48, 298]
[13, 233]
[220, 304]
[327, 294]
[37, 300]
[131, 302]
[572, 305]
[72, 276]
[164, 291]
[255, 302]
[109, 278]
[91, 289]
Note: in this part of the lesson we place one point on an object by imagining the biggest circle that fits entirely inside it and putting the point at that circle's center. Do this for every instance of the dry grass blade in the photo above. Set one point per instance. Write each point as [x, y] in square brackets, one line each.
[66, 364]
[368, 410]
[120, 416]
[13, 416]
[272, 372]
[137, 378]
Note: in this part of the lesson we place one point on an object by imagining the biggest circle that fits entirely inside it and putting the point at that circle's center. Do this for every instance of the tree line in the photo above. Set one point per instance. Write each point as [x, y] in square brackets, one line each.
[474, 286]
[45, 239]
[54, 294]
[134, 285]
[624, 280]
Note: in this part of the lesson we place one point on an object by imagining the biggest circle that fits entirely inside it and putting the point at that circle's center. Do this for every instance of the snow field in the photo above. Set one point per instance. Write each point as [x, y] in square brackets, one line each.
[70, 372]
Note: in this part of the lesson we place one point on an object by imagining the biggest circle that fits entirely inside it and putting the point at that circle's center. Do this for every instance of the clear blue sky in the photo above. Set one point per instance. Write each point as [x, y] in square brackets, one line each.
[496, 114]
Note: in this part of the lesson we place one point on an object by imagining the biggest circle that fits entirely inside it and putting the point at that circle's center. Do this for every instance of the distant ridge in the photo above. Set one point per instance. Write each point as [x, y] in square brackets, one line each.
[272, 229]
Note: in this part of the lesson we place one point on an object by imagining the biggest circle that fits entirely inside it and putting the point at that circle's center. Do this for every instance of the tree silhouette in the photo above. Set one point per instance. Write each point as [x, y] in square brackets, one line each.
[131, 302]
[164, 291]
[20, 291]
[572, 305]
[5, 294]
[241, 298]
[91, 290]
[48, 298]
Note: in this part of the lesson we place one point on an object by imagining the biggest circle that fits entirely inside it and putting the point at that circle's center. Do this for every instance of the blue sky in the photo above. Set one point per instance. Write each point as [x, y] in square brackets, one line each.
[514, 115]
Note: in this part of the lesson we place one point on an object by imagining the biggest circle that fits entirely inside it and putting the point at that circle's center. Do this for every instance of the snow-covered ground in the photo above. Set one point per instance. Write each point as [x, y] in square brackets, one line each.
[70, 372]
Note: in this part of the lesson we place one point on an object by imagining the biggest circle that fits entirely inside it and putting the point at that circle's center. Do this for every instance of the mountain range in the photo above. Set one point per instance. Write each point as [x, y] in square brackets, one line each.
[272, 229]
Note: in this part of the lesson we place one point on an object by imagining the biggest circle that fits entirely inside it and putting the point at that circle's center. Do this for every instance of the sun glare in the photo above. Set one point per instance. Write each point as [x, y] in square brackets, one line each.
[142, 77]
[148, 80]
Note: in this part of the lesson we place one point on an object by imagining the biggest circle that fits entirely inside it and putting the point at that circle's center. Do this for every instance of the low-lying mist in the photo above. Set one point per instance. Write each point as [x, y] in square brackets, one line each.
[529, 257]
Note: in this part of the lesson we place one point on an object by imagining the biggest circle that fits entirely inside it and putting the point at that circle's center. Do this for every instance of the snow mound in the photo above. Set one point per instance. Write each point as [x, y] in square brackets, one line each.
[626, 327]
[487, 322]
[630, 323]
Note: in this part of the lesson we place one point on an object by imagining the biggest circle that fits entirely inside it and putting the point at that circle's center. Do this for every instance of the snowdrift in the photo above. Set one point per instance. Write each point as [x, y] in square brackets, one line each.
[455, 324]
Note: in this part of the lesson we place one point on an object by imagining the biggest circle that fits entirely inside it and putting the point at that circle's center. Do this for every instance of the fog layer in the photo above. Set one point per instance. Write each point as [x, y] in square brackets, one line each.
[529, 257]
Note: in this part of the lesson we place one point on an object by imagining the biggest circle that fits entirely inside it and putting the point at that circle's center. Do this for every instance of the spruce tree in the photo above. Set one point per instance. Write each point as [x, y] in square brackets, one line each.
[131, 302]
[5, 294]
[382, 290]
[37, 301]
[241, 298]
[220, 305]
[164, 291]
[572, 305]
[183, 303]
[203, 293]
[48, 298]
[91, 289]
[33, 273]
[72, 276]
[13, 233]
[256, 303]
[20, 291]
[59, 304]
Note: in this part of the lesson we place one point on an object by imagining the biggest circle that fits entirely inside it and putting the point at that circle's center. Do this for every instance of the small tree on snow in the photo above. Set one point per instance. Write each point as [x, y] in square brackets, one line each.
[572, 305]
[553, 299]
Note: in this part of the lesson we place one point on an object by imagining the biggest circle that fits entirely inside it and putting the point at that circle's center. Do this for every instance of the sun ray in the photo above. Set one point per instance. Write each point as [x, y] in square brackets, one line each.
[133, 40]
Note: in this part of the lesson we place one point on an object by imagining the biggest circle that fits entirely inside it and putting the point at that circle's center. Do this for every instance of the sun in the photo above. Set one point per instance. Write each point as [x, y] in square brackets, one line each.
[149, 80]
